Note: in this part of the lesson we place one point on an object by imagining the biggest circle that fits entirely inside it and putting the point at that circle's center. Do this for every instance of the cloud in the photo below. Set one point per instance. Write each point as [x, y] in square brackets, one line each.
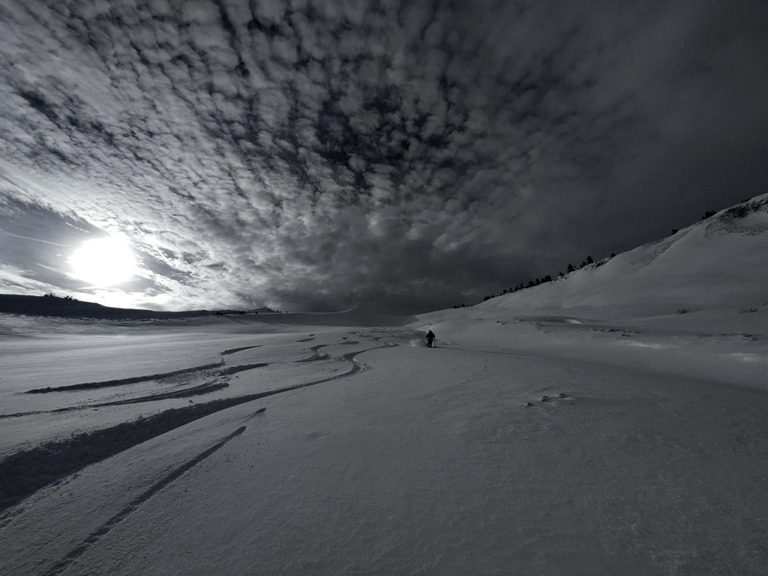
[317, 154]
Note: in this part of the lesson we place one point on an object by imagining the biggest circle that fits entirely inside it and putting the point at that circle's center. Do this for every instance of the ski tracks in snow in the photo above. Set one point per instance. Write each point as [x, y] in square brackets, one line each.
[40, 457]
[110, 524]
[183, 384]
[95, 536]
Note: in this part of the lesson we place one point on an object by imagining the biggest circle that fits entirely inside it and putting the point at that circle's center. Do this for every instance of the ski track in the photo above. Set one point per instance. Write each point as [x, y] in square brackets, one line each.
[350, 357]
[183, 393]
[191, 391]
[241, 368]
[125, 381]
[160, 376]
[235, 350]
[316, 355]
[197, 390]
[95, 536]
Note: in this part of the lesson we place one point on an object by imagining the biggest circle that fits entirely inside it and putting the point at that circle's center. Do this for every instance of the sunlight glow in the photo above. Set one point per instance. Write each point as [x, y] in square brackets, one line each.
[104, 261]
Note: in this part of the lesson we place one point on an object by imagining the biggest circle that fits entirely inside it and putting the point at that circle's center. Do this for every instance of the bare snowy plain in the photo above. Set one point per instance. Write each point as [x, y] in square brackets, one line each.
[611, 422]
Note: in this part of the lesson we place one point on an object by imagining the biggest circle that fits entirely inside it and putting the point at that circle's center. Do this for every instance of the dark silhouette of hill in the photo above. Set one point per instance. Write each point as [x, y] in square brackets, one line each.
[67, 307]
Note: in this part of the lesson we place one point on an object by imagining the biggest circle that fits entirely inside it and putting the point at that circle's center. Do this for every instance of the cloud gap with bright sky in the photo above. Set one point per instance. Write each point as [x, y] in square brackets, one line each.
[401, 155]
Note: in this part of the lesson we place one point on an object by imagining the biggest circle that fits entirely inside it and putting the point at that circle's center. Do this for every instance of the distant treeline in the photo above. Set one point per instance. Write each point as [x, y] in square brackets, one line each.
[548, 278]
[52, 295]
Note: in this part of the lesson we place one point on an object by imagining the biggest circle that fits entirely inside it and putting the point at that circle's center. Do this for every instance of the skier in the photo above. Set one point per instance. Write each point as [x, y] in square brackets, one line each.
[430, 338]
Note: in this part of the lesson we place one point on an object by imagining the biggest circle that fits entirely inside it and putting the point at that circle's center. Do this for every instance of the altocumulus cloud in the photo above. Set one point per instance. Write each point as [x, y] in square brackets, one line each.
[408, 155]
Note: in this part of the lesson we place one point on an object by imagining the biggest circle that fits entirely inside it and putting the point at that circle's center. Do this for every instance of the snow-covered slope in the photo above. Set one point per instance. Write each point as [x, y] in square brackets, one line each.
[719, 262]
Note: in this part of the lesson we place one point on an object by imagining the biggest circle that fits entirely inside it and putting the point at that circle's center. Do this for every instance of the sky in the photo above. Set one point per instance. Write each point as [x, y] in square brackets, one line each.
[404, 156]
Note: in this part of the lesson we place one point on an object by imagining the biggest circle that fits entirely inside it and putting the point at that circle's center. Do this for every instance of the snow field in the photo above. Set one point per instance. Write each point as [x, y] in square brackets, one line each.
[428, 462]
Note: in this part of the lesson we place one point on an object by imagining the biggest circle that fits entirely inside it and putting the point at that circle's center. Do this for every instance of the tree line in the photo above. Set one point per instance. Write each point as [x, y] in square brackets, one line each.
[548, 278]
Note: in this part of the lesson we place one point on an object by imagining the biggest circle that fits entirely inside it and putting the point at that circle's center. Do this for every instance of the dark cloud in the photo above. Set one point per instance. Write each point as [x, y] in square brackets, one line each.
[403, 154]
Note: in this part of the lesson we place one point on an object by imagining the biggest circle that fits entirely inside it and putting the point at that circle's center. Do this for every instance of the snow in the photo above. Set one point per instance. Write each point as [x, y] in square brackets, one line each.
[585, 426]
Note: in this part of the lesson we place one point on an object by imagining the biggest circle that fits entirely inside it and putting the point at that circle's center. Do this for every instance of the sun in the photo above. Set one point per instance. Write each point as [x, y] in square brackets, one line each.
[104, 261]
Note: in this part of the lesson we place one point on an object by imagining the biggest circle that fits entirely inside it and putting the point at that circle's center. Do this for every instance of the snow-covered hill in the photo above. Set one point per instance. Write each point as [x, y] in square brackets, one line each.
[717, 263]
[612, 422]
